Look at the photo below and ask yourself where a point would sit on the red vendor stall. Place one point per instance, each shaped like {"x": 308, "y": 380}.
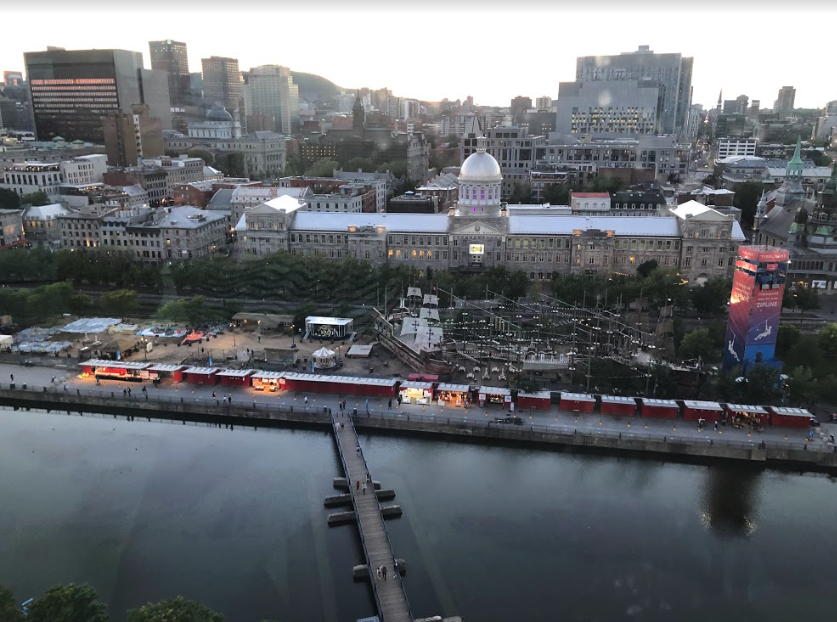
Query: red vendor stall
{"x": 235, "y": 377}
{"x": 577, "y": 402}
{"x": 790, "y": 417}
{"x": 540, "y": 399}
{"x": 415, "y": 392}
{"x": 693, "y": 410}
{"x": 315, "y": 383}
{"x": 741, "y": 415}
{"x": 660, "y": 409}
{"x": 116, "y": 370}
{"x": 267, "y": 380}
{"x": 202, "y": 375}
{"x": 617, "y": 405}
{"x": 162, "y": 371}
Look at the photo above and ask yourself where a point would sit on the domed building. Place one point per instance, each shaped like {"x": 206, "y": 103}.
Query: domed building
{"x": 480, "y": 182}
{"x": 218, "y": 125}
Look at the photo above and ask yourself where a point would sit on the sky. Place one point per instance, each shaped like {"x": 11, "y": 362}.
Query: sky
{"x": 435, "y": 49}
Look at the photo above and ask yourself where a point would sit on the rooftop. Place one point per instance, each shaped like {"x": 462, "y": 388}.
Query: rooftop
{"x": 568, "y": 225}
{"x": 325, "y": 221}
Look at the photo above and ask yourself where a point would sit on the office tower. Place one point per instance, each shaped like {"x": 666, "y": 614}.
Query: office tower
{"x": 270, "y": 92}
{"x": 130, "y": 136}
{"x": 170, "y": 56}
{"x": 13, "y": 78}
{"x": 609, "y": 107}
{"x": 784, "y": 103}
{"x": 221, "y": 81}
{"x": 154, "y": 92}
{"x": 671, "y": 73}
{"x": 73, "y": 89}
{"x": 519, "y": 106}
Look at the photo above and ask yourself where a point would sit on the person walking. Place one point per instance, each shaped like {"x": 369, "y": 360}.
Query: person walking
{"x": 306, "y": 399}
{"x": 124, "y": 392}
{"x": 364, "y": 487}
{"x": 389, "y": 404}
{"x": 65, "y": 389}
{"x": 12, "y": 376}
{"x": 384, "y": 572}
{"x": 213, "y": 394}
{"x": 129, "y": 390}
{"x": 378, "y": 573}
{"x": 357, "y": 485}
{"x": 358, "y": 450}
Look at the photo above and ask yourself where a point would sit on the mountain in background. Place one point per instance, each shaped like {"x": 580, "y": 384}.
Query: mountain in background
{"x": 314, "y": 88}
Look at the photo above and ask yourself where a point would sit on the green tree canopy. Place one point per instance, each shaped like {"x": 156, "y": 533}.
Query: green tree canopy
{"x": 120, "y": 302}
{"x": 174, "y": 610}
{"x": 646, "y": 268}
{"x": 787, "y": 338}
{"x": 698, "y": 343}
{"x": 807, "y": 298}
{"x": 68, "y": 603}
{"x": 35, "y": 198}
{"x": 606, "y": 183}
{"x": 192, "y": 311}
{"x": 802, "y": 387}
{"x": 760, "y": 387}
{"x": 203, "y": 154}
{"x": 521, "y": 193}
{"x": 827, "y": 339}
{"x": 747, "y": 195}
{"x": 323, "y": 168}
{"x": 9, "y": 609}
{"x": 557, "y": 194}
{"x": 359, "y": 164}
{"x": 9, "y": 199}
{"x": 231, "y": 164}
{"x": 712, "y": 296}
{"x": 819, "y": 158}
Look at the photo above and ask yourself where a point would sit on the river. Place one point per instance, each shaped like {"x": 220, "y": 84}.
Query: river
{"x": 234, "y": 519}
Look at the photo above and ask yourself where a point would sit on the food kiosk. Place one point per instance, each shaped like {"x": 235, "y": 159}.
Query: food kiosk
{"x": 577, "y": 402}
{"x": 202, "y": 375}
{"x": 452, "y": 394}
{"x": 617, "y": 405}
{"x": 162, "y": 371}
{"x": 235, "y": 377}
{"x": 539, "y": 399}
{"x": 790, "y": 417}
{"x": 739, "y": 415}
{"x": 494, "y": 395}
{"x": 267, "y": 380}
{"x": 318, "y": 327}
{"x": 694, "y": 410}
{"x": 414, "y": 392}
{"x": 116, "y": 370}
{"x": 658, "y": 409}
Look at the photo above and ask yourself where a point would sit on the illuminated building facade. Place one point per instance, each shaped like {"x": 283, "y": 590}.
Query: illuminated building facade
{"x": 755, "y": 306}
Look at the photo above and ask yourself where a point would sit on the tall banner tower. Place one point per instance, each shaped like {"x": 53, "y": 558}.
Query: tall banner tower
{"x": 755, "y": 306}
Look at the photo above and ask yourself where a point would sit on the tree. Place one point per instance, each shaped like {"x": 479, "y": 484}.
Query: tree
{"x": 712, "y": 296}
{"x": 9, "y": 199}
{"x": 120, "y": 302}
{"x": 698, "y": 343}
{"x": 761, "y": 384}
{"x": 323, "y": 168}
{"x": 827, "y": 339}
{"x": 203, "y": 154}
{"x": 9, "y": 609}
{"x": 663, "y": 384}
{"x": 359, "y": 164}
{"x": 747, "y": 195}
{"x": 68, "y": 603}
{"x": 786, "y": 338}
{"x": 827, "y": 389}
{"x": 802, "y": 387}
{"x": 231, "y": 164}
{"x": 788, "y": 299}
{"x": 79, "y": 304}
{"x": 521, "y": 193}
{"x": 819, "y": 158}
{"x": 646, "y": 268}
{"x": 174, "y": 610}
{"x": 35, "y": 198}
{"x": 557, "y": 194}
{"x": 606, "y": 183}
{"x": 807, "y": 298}
{"x": 727, "y": 386}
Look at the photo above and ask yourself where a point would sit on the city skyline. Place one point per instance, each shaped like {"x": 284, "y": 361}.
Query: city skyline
{"x": 434, "y": 62}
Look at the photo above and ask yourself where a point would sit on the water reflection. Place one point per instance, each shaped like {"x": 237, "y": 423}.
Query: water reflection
{"x": 730, "y": 500}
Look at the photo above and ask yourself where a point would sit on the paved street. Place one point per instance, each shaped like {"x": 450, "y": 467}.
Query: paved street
{"x": 554, "y": 418}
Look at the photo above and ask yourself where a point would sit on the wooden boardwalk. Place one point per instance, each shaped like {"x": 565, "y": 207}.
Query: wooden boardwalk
{"x": 389, "y": 594}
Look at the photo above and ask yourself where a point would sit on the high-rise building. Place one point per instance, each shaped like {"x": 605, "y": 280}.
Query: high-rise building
{"x": 13, "y": 78}
{"x": 129, "y": 137}
{"x": 737, "y": 105}
{"x": 784, "y": 102}
{"x": 753, "y": 112}
{"x": 608, "y": 107}
{"x": 221, "y": 81}
{"x": 672, "y": 74}
{"x": 543, "y": 103}
{"x": 519, "y": 106}
{"x": 73, "y": 89}
{"x": 269, "y": 90}
{"x": 154, "y": 92}
{"x": 170, "y": 56}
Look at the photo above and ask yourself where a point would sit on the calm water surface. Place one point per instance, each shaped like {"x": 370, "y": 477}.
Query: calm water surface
{"x": 234, "y": 519}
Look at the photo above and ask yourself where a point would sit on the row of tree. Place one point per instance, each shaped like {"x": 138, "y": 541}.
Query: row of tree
{"x": 33, "y": 305}
{"x": 80, "y": 603}
{"x": 9, "y": 199}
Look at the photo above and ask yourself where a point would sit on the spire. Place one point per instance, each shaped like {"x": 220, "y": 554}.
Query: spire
{"x": 720, "y": 98}
{"x": 797, "y": 153}
{"x": 795, "y": 164}
{"x": 358, "y": 115}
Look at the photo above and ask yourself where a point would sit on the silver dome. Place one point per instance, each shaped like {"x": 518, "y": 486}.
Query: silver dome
{"x": 480, "y": 166}
{"x": 218, "y": 113}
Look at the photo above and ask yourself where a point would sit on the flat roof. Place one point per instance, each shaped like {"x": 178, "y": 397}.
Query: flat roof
{"x": 660, "y": 226}
{"x": 330, "y": 321}
{"x": 235, "y": 373}
{"x": 541, "y": 395}
{"x": 460, "y": 388}
{"x": 746, "y": 408}
{"x": 114, "y": 364}
{"x": 655, "y": 402}
{"x": 394, "y": 223}
{"x": 203, "y": 370}
{"x": 412, "y": 384}
{"x": 577, "y": 397}
{"x": 616, "y": 399}
{"x": 268, "y": 375}
{"x": 701, "y": 405}
{"x": 381, "y": 382}
{"x": 164, "y": 367}
{"x": 495, "y": 391}
{"x": 791, "y": 412}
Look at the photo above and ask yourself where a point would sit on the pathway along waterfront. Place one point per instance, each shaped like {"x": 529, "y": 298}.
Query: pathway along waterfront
{"x": 584, "y": 433}
{"x": 390, "y": 596}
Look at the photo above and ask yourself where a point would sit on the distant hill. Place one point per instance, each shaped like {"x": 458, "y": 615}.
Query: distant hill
{"x": 314, "y": 88}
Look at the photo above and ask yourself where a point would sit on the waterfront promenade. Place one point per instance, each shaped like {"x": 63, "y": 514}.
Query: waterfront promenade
{"x": 549, "y": 426}
{"x": 390, "y": 596}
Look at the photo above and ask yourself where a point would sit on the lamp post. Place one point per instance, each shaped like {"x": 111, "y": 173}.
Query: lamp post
{"x": 293, "y": 334}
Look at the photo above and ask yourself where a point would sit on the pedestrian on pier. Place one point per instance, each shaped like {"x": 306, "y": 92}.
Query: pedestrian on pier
{"x": 213, "y": 395}
{"x": 384, "y": 572}
{"x": 124, "y": 392}
{"x": 129, "y": 390}
{"x": 716, "y": 426}
{"x": 368, "y": 477}
{"x": 357, "y": 485}
{"x": 306, "y": 399}
{"x": 389, "y": 404}
{"x": 358, "y": 450}
{"x": 364, "y": 487}
{"x": 144, "y": 390}
{"x": 12, "y": 376}
{"x": 378, "y": 572}
{"x": 53, "y": 379}
{"x": 65, "y": 388}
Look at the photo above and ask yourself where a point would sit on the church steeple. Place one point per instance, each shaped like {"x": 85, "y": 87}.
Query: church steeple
{"x": 720, "y": 99}
{"x": 795, "y": 164}
{"x": 358, "y": 116}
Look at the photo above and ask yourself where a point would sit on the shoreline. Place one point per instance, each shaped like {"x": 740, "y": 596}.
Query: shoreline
{"x": 581, "y": 438}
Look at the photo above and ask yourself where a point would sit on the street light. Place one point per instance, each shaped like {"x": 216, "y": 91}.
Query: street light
{"x": 293, "y": 334}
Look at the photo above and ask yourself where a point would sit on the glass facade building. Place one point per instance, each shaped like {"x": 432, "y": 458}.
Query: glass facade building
{"x": 171, "y": 57}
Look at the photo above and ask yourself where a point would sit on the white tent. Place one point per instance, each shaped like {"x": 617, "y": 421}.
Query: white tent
{"x": 6, "y": 342}
{"x": 324, "y": 358}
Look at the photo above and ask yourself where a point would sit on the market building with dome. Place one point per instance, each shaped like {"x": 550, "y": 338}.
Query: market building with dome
{"x": 480, "y": 232}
